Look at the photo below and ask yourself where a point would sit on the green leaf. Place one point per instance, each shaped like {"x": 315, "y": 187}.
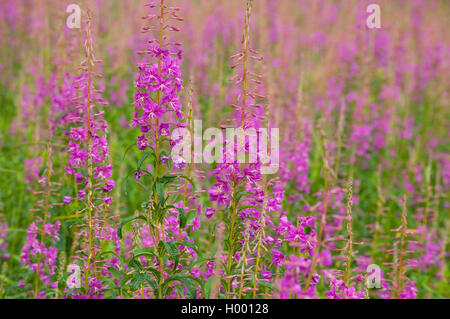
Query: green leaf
{"x": 127, "y": 220}
{"x": 191, "y": 290}
{"x": 136, "y": 264}
{"x": 160, "y": 191}
{"x": 224, "y": 284}
{"x": 188, "y": 179}
{"x": 207, "y": 287}
{"x": 144, "y": 251}
{"x": 175, "y": 277}
{"x": 265, "y": 284}
{"x": 153, "y": 284}
{"x": 138, "y": 279}
{"x": 226, "y": 243}
{"x": 143, "y": 158}
{"x": 161, "y": 248}
{"x": 158, "y": 213}
{"x": 155, "y": 273}
{"x": 117, "y": 274}
{"x": 182, "y": 216}
{"x": 109, "y": 252}
{"x": 126, "y": 151}
{"x": 240, "y": 194}
{"x": 172, "y": 249}
{"x": 168, "y": 179}
{"x": 185, "y": 279}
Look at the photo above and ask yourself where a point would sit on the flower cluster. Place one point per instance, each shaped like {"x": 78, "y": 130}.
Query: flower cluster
{"x": 38, "y": 254}
{"x": 338, "y": 290}
{"x": 88, "y": 144}
{"x": 158, "y": 85}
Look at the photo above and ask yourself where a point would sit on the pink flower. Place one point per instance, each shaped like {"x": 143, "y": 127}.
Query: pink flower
{"x": 209, "y": 212}
{"x": 178, "y": 162}
{"x": 67, "y": 199}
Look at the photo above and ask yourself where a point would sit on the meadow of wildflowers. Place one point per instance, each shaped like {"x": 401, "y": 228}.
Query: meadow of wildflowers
{"x": 96, "y": 203}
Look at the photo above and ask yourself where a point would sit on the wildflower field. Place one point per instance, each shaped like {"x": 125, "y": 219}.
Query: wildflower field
{"x": 114, "y": 182}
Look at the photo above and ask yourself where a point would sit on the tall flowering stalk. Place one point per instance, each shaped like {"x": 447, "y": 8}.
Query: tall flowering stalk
{"x": 243, "y": 79}
{"x": 400, "y": 264}
{"x": 261, "y": 231}
{"x": 326, "y": 172}
{"x": 190, "y": 125}
{"x": 402, "y": 287}
{"x": 88, "y": 162}
{"x": 51, "y": 251}
{"x": 232, "y": 176}
{"x": 349, "y": 246}
{"x": 157, "y": 87}
{"x": 240, "y": 186}
{"x": 39, "y": 251}
{"x": 52, "y": 101}
{"x": 377, "y": 229}
{"x": 158, "y": 111}
{"x": 260, "y": 245}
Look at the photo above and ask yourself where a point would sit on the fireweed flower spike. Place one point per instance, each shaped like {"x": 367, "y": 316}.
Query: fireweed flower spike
{"x": 349, "y": 246}
{"x": 158, "y": 110}
{"x": 52, "y": 99}
{"x": 88, "y": 164}
{"x": 239, "y": 185}
{"x": 230, "y": 175}
{"x": 157, "y": 85}
{"x": 400, "y": 262}
{"x": 326, "y": 171}
{"x": 38, "y": 252}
